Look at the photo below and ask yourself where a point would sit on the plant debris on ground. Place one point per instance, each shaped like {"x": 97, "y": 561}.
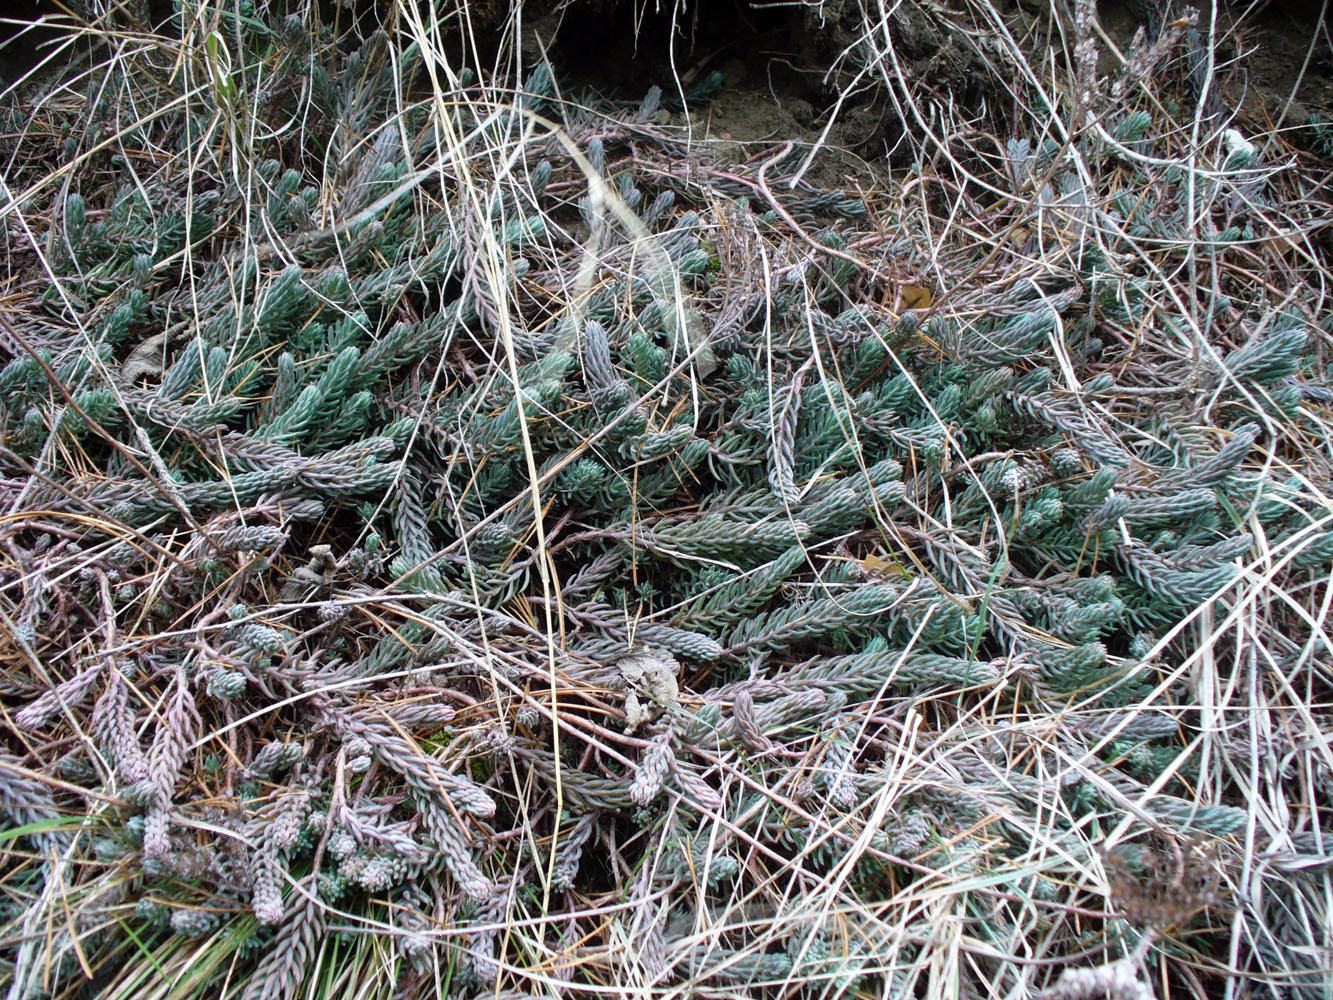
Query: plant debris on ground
{"x": 462, "y": 535}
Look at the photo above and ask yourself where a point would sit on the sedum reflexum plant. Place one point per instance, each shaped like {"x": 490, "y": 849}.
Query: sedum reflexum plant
{"x": 463, "y": 540}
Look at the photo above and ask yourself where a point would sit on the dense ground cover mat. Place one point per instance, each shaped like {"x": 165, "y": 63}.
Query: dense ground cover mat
{"x": 464, "y": 534}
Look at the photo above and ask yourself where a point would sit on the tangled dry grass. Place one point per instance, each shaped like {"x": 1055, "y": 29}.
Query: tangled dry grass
{"x": 462, "y": 536}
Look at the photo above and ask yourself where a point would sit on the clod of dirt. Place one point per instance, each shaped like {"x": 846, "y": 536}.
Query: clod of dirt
{"x": 649, "y": 674}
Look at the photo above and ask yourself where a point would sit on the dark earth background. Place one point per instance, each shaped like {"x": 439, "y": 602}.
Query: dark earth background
{"x": 775, "y": 60}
